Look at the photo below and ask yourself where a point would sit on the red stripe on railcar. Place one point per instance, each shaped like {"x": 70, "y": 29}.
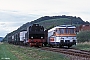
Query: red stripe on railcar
{"x": 51, "y": 39}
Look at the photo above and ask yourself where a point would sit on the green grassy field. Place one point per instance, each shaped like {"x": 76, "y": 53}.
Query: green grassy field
{"x": 5, "y": 54}
{"x": 83, "y": 46}
{"x": 13, "y": 52}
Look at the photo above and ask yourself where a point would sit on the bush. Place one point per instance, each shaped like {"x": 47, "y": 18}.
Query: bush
{"x": 83, "y": 36}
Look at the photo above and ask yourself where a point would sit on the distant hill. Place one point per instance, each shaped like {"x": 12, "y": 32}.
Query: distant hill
{"x": 51, "y": 21}
{"x": 48, "y": 21}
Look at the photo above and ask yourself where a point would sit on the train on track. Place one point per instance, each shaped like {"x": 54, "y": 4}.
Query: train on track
{"x": 36, "y": 35}
{"x": 63, "y": 35}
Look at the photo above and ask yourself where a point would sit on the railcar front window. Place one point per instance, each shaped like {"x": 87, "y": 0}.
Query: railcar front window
{"x": 62, "y": 31}
{"x": 71, "y": 31}
{"x": 58, "y": 31}
{"x": 66, "y": 31}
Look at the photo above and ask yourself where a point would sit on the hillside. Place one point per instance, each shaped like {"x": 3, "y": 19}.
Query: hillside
{"x": 48, "y": 21}
{"x": 51, "y": 21}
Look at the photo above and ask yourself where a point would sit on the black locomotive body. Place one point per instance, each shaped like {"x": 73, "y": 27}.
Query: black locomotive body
{"x": 36, "y": 35}
{"x": 33, "y": 36}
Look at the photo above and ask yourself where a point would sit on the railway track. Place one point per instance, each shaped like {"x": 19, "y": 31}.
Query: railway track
{"x": 73, "y": 52}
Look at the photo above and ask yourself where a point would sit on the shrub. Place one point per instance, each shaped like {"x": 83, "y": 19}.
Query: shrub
{"x": 83, "y": 36}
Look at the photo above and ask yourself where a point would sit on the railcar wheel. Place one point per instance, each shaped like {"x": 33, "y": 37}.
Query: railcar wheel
{"x": 51, "y": 45}
{"x": 69, "y": 46}
{"x": 60, "y": 46}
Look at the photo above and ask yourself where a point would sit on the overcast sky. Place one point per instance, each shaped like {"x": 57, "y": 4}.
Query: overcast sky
{"x": 14, "y": 13}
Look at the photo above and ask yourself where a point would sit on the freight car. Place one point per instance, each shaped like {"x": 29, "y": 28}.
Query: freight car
{"x": 36, "y": 35}
{"x": 63, "y": 35}
{"x": 22, "y": 37}
{"x": 17, "y": 38}
{"x": 9, "y": 39}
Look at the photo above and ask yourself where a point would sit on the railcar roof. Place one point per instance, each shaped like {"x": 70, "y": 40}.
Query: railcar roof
{"x": 62, "y": 26}
{"x": 66, "y": 26}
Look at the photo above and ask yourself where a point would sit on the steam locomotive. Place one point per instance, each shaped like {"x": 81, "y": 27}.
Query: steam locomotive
{"x": 33, "y": 36}
{"x": 36, "y": 35}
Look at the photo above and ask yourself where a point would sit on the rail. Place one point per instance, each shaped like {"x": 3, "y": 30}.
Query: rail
{"x": 74, "y": 52}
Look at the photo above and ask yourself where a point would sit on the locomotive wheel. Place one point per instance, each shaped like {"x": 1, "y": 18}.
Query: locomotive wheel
{"x": 45, "y": 44}
{"x": 30, "y": 44}
{"x": 37, "y": 44}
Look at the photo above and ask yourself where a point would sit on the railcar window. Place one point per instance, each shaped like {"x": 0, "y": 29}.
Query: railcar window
{"x": 71, "y": 31}
{"x": 62, "y": 31}
{"x": 58, "y": 31}
{"x": 66, "y": 30}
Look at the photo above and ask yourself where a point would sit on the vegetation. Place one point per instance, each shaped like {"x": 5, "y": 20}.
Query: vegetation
{"x": 5, "y": 54}
{"x": 75, "y": 19}
{"x": 25, "y": 53}
{"x": 54, "y": 22}
{"x": 83, "y": 46}
{"x": 83, "y": 36}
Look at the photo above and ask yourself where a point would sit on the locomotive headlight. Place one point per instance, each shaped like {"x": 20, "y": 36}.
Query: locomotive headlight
{"x": 72, "y": 38}
{"x": 41, "y": 37}
{"x": 62, "y": 38}
{"x": 32, "y": 37}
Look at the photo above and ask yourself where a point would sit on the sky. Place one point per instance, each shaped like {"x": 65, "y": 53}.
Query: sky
{"x": 15, "y": 13}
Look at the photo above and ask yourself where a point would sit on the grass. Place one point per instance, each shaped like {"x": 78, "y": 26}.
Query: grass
{"x": 5, "y": 54}
{"x": 27, "y": 53}
{"x": 83, "y": 46}
{"x": 14, "y": 52}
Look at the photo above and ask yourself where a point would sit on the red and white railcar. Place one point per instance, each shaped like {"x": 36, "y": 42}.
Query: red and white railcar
{"x": 63, "y": 35}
